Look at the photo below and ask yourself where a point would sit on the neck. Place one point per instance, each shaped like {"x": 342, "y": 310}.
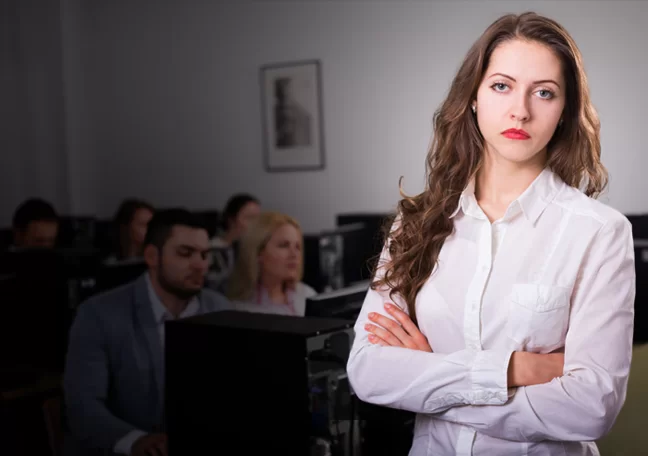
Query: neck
{"x": 174, "y": 304}
{"x": 499, "y": 182}
{"x": 274, "y": 288}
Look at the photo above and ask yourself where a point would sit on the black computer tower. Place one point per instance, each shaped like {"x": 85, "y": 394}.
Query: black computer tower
{"x": 641, "y": 296}
{"x": 243, "y": 381}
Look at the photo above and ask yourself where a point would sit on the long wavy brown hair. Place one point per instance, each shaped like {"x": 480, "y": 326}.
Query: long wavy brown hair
{"x": 423, "y": 221}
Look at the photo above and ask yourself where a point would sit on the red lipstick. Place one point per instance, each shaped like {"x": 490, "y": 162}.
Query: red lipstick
{"x": 514, "y": 133}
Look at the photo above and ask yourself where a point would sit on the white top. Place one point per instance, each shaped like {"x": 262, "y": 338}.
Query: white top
{"x": 263, "y": 304}
{"x": 555, "y": 273}
{"x": 160, "y": 315}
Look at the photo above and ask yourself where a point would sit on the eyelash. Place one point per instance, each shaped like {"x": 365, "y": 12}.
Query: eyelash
{"x": 550, "y": 92}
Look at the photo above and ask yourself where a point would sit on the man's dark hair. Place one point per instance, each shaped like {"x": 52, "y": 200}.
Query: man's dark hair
{"x": 162, "y": 223}
{"x": 33, "y": 210}
{"x": 234, "y": 205}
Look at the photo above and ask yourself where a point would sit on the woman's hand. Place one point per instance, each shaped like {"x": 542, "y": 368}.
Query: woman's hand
{"x": 526, "y": 369}
{"x": 397, "y": 332}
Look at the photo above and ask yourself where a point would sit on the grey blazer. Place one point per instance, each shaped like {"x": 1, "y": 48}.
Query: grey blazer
{"x": 114, "y": 372}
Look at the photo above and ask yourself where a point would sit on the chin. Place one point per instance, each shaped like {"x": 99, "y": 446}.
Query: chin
{"x": 516, "y": 154}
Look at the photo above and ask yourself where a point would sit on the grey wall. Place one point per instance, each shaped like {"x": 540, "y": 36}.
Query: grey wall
{"x": 33, "y": 159}
{"x": 163, "y": 98}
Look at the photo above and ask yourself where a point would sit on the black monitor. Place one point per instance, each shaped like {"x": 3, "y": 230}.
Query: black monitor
{"x": 370, "y": 246}
{"x": 641, "y": 295}
{"x": 113, "y": 276}
{"x": 344, "y": 303}
{"x": 334, "y": 259}
{"x": 6, "y": 238}
{"x": 210, "y": 220}
{"x": 76, "y": 231}
{"x": 105, "y": 237}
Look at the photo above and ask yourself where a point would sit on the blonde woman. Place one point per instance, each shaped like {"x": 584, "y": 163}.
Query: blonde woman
{"x": 268, "y": 272}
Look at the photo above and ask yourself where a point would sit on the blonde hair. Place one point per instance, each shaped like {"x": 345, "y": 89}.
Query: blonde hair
{"x": 246, "y": 275}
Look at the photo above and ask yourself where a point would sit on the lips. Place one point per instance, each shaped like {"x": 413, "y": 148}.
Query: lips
{"x": 514, "y": 133}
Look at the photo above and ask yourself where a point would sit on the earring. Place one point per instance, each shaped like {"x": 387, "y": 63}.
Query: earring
{"x": 474, "y": 109}
{"x": 560, "y": 122}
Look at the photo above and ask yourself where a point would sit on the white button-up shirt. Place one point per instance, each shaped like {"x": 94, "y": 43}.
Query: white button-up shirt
{"x": 162, "y": 314}
{"x": 555, "y": 273}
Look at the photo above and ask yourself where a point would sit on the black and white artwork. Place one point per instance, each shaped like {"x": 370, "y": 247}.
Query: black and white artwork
{"x": 292, "y": 116}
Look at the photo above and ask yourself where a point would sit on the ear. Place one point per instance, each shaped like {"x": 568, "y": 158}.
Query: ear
{"x": 151, "y": 256}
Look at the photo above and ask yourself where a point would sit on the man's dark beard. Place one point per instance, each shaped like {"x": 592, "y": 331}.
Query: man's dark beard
{"x": 179, "y": 292}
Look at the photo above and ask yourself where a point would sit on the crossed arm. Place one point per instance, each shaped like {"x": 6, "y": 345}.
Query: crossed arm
{"x": 575, "y": 398}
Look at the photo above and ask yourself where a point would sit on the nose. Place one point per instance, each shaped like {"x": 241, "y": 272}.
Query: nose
{"x": 520, "y": 110}
{"x": 200, "y": 263}
{"x": 294, "y": 251}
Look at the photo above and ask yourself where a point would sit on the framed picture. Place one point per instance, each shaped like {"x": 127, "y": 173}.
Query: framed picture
{"x": 291, "y": 101}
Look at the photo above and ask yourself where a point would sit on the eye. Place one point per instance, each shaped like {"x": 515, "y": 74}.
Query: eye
{"x": 499, "y": 87}
{"x": 545, "y": 94}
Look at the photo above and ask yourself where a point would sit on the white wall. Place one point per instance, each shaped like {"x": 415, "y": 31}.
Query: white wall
{"x": 169, "y": 91}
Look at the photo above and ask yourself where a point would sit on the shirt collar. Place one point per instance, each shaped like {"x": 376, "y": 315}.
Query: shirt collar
{"x": 532, "y": 202}
{"x": 160, "y": 312}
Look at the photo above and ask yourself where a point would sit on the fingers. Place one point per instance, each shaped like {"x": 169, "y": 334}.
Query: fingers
{"x": 377, "y": 340}
{"x": 392, "y": 327}
{"x": 384, "y": 334}
{"x": 420, "y": 341}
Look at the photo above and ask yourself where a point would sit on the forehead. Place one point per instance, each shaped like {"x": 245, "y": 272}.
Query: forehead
{"x": 143, "y": 213}
{"x": 42, "y": 225}
{"x": 250, "y": 207}
{"x": 286, "y": 231}
{"x": 526, "y": 61}
{"x": 185, "y": 235}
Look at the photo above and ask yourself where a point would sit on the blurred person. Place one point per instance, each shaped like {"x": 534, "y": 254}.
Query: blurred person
{"x": 130, "y": 222}
{"x": 114, "y": 375}
{"x": 35, "y": 224}
{"x": 240, "y": 211}
{"x": 268, "y": 272}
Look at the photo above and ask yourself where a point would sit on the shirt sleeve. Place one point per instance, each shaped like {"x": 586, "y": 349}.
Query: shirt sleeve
{"x": 418, "y": 381}
{"x": 583, "y": 404}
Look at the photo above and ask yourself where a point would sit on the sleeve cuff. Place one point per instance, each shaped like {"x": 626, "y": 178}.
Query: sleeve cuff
{"x": 489, "y": 377}
{"x": 125, "y": 444}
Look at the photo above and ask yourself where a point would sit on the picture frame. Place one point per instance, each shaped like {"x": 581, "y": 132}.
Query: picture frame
{"x": 292, "y": 116}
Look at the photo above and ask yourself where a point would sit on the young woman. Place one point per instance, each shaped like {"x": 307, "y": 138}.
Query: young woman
{"x": 131, "y": 222}
{"x": 240, "y": 212}
{"x": 502, "y": 307}
{"x": 268, "y": 272}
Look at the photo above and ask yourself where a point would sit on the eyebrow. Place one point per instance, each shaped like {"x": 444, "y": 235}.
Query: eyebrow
{"x": 192, "y": 249}
{"x": 543, "y": 81}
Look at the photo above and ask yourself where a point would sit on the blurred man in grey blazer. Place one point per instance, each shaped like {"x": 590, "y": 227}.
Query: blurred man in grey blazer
{"x": 114, "y": 375}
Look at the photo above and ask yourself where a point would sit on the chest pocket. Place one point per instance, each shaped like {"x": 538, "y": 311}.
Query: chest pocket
{"x": 538, "y": 316}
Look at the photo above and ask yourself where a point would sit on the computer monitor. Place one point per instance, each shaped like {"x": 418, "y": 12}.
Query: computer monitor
{"x": 641, "y": 295}
{"x": 371, "y": 244}
{"x": 76, "y": 231}
{"x": 334, "y": 259}
{"x": 210, "y": 219}
{"x": 344, "y": 303}
{"x": 109, "y": 277}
